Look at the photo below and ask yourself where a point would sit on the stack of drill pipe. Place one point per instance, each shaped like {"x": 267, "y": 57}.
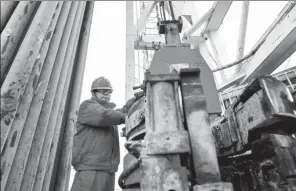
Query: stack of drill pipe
{"x": 60, "y": 104}
{"x": 14, "y": 31}
{"x": 34, "y": 94}
{"x": 65, "y": 154}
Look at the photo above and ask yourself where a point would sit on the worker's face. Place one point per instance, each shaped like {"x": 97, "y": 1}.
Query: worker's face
{"x": 103, "y": 95}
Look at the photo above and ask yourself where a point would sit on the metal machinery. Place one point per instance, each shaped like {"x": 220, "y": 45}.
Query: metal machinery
{"x": 177, "y": 140}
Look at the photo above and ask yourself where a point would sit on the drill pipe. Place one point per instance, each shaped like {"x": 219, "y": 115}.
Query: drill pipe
{"x": 36, "y": 134}
{"x": 25, "y": 135}
{"x": 44, "y": 130}
{"x": 7, "y": 8}
{"x": 57, "y": 117}
{"x": 17, "y": 78}
{"x": 65, "y": 156}
{"x": 10, "y": 172}
{"x": 12, "y": 34}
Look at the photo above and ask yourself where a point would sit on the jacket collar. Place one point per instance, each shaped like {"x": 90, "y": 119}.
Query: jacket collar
{"x": 109, "y": 105}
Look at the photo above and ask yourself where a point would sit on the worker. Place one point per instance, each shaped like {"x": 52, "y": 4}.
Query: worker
{"x": 95, "y": 153}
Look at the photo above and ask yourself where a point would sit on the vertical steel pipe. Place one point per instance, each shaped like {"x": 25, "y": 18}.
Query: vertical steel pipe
{"x": 62, "y": 179}
{"x": 14, "y": 31}
{"x": 41, "y": 66}
{"x": 68, "y": 175}
{"x": 60, "y": 105}
{"x": 242, "y": 32}
{"x": 17, "y": 78}
{"x": 130, "y": 52}
{"x": 36, "y": 137}
{"x": 19, "y": 137}
{"x": 7, "y": 8}
{"x": 42, "y": 112}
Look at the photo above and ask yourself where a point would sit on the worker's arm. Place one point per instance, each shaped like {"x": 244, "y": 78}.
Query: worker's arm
{"x": 95, "y": 115}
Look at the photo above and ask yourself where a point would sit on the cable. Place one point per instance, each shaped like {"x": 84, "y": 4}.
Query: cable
{"x": 238, "y": 61}
{"x": 172, "y": 10}
{"x": 161, "y": 4}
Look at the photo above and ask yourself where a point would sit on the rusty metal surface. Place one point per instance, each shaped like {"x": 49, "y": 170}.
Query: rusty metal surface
{"x": 172, "y": 33}
{"x": 264, "y": 103}
{"x": 163, "y": 172}
{"x": 163, "y": 78}
{"x": 279, "y": 96}
{"x": 7, "y": 8}
{"x": 227, "y": 138}
{"x": 172, "y": 142}
{"x": 197, "y": 120}
{"x": 24, "y": 72}
{"x": 270, "y": 165}
{"x": 265, "y": 106}
{"x": 219, "y": 186}
{"x": 136, "y": 176}
{"x": 168, "y": 56}
{"x": 14, "y": 31}
{"x": 17, "y": 78}
{"x": 65, "y": 153}
{"x": 60, "y": 104}
{"x": 31, "y": 85}
{"x": 134, "y": 120}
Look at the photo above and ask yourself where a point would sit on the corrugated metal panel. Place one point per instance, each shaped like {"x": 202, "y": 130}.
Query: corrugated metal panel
{"x": 43, "y": 49}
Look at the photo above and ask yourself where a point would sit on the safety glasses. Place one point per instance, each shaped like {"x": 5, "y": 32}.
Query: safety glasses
{"x": 104, "y": 91}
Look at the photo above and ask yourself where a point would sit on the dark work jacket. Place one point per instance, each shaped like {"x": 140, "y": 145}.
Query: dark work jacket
{"x": 96, "y": 142}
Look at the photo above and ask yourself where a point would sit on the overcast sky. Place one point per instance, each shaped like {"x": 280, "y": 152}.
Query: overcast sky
{"x": 106, "y": 51}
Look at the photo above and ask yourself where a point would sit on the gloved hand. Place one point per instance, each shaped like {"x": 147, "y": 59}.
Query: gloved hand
{"x": 138, "y": 95}
{"x": 129, "y": 103}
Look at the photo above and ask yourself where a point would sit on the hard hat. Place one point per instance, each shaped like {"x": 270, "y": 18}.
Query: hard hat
{"x": 101, "y": 83}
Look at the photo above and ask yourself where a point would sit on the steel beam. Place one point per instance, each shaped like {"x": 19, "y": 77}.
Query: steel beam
{"x": 142, "y": 45}
{"x": 220, "y": 10}
{"x": 220, "y": 54}
{"x": 242, "y": 29}
{"x": 188, "y": 9}
{"x": 140, "y": 25}
{"x": 194, "y": 40}
{"x": 178, "y": 7}
{"x": 130, "y": 52}
{"x": 276, "y": 48}
{"x": 198, "y": 24}
{"x": 230, "y": 82}
{"x": 154, "y": 38}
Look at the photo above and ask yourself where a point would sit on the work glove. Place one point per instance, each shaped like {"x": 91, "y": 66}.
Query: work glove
{"x": 138, "y": 95}
{"x": 129, "y": 103}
